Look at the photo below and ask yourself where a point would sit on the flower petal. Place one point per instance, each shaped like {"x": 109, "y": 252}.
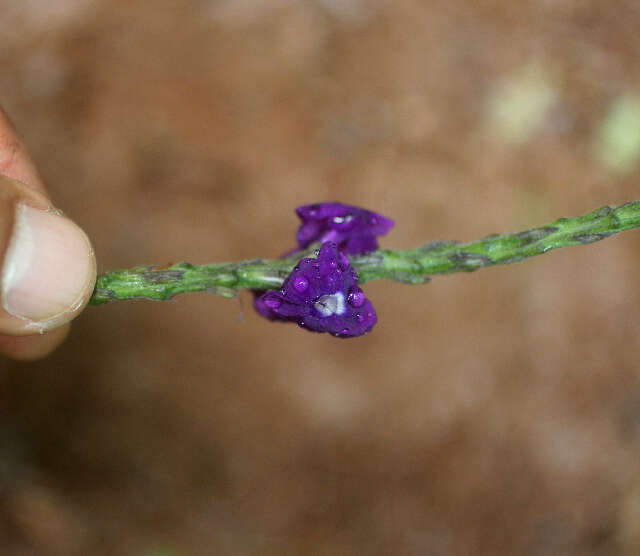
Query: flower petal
{"x": 353, "y": 229}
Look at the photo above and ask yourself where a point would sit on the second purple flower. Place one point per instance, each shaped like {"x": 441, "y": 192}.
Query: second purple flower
{"x": 353, "y": 229}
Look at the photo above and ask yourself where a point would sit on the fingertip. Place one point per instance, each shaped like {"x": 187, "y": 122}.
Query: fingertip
{"x": 48, "y": 271}
{"x": 34, "y": 347}
{"x": 47, "y": 264}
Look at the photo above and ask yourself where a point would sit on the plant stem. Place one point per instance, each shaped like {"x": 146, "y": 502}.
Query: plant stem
{"x": 413, "y": 266}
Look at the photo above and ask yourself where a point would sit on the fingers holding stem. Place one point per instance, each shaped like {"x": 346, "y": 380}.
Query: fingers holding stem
{"x": 47, "y": 265}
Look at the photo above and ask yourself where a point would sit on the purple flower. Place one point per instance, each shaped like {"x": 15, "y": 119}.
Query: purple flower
{"x": 321, "y": 295}
{"x": 353, "y": 229}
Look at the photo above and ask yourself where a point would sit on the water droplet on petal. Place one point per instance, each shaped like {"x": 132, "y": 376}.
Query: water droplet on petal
{"x": 356, "y": 297}
{"x": 300, "y": 283}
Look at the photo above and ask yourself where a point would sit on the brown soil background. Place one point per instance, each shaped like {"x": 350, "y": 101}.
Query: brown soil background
{"x": 487, "y": 413}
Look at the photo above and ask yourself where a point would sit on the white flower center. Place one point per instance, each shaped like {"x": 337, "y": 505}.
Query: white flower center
{"x": 343, "y": 219}
{"x": 331, "y": 304}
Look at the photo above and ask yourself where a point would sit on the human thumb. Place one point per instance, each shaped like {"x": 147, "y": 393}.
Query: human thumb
{"x": 48, "y": 266}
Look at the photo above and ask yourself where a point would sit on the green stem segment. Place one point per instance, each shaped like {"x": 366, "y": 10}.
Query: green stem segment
{"x": 413, "y": 266}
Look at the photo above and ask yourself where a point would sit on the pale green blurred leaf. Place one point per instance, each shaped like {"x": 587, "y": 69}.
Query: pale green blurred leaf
{"x": 518, "y": 106}
{"x": 617, "y": 144}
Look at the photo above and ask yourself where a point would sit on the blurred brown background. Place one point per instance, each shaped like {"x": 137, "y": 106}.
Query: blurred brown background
{"x": 488, "y": 413}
